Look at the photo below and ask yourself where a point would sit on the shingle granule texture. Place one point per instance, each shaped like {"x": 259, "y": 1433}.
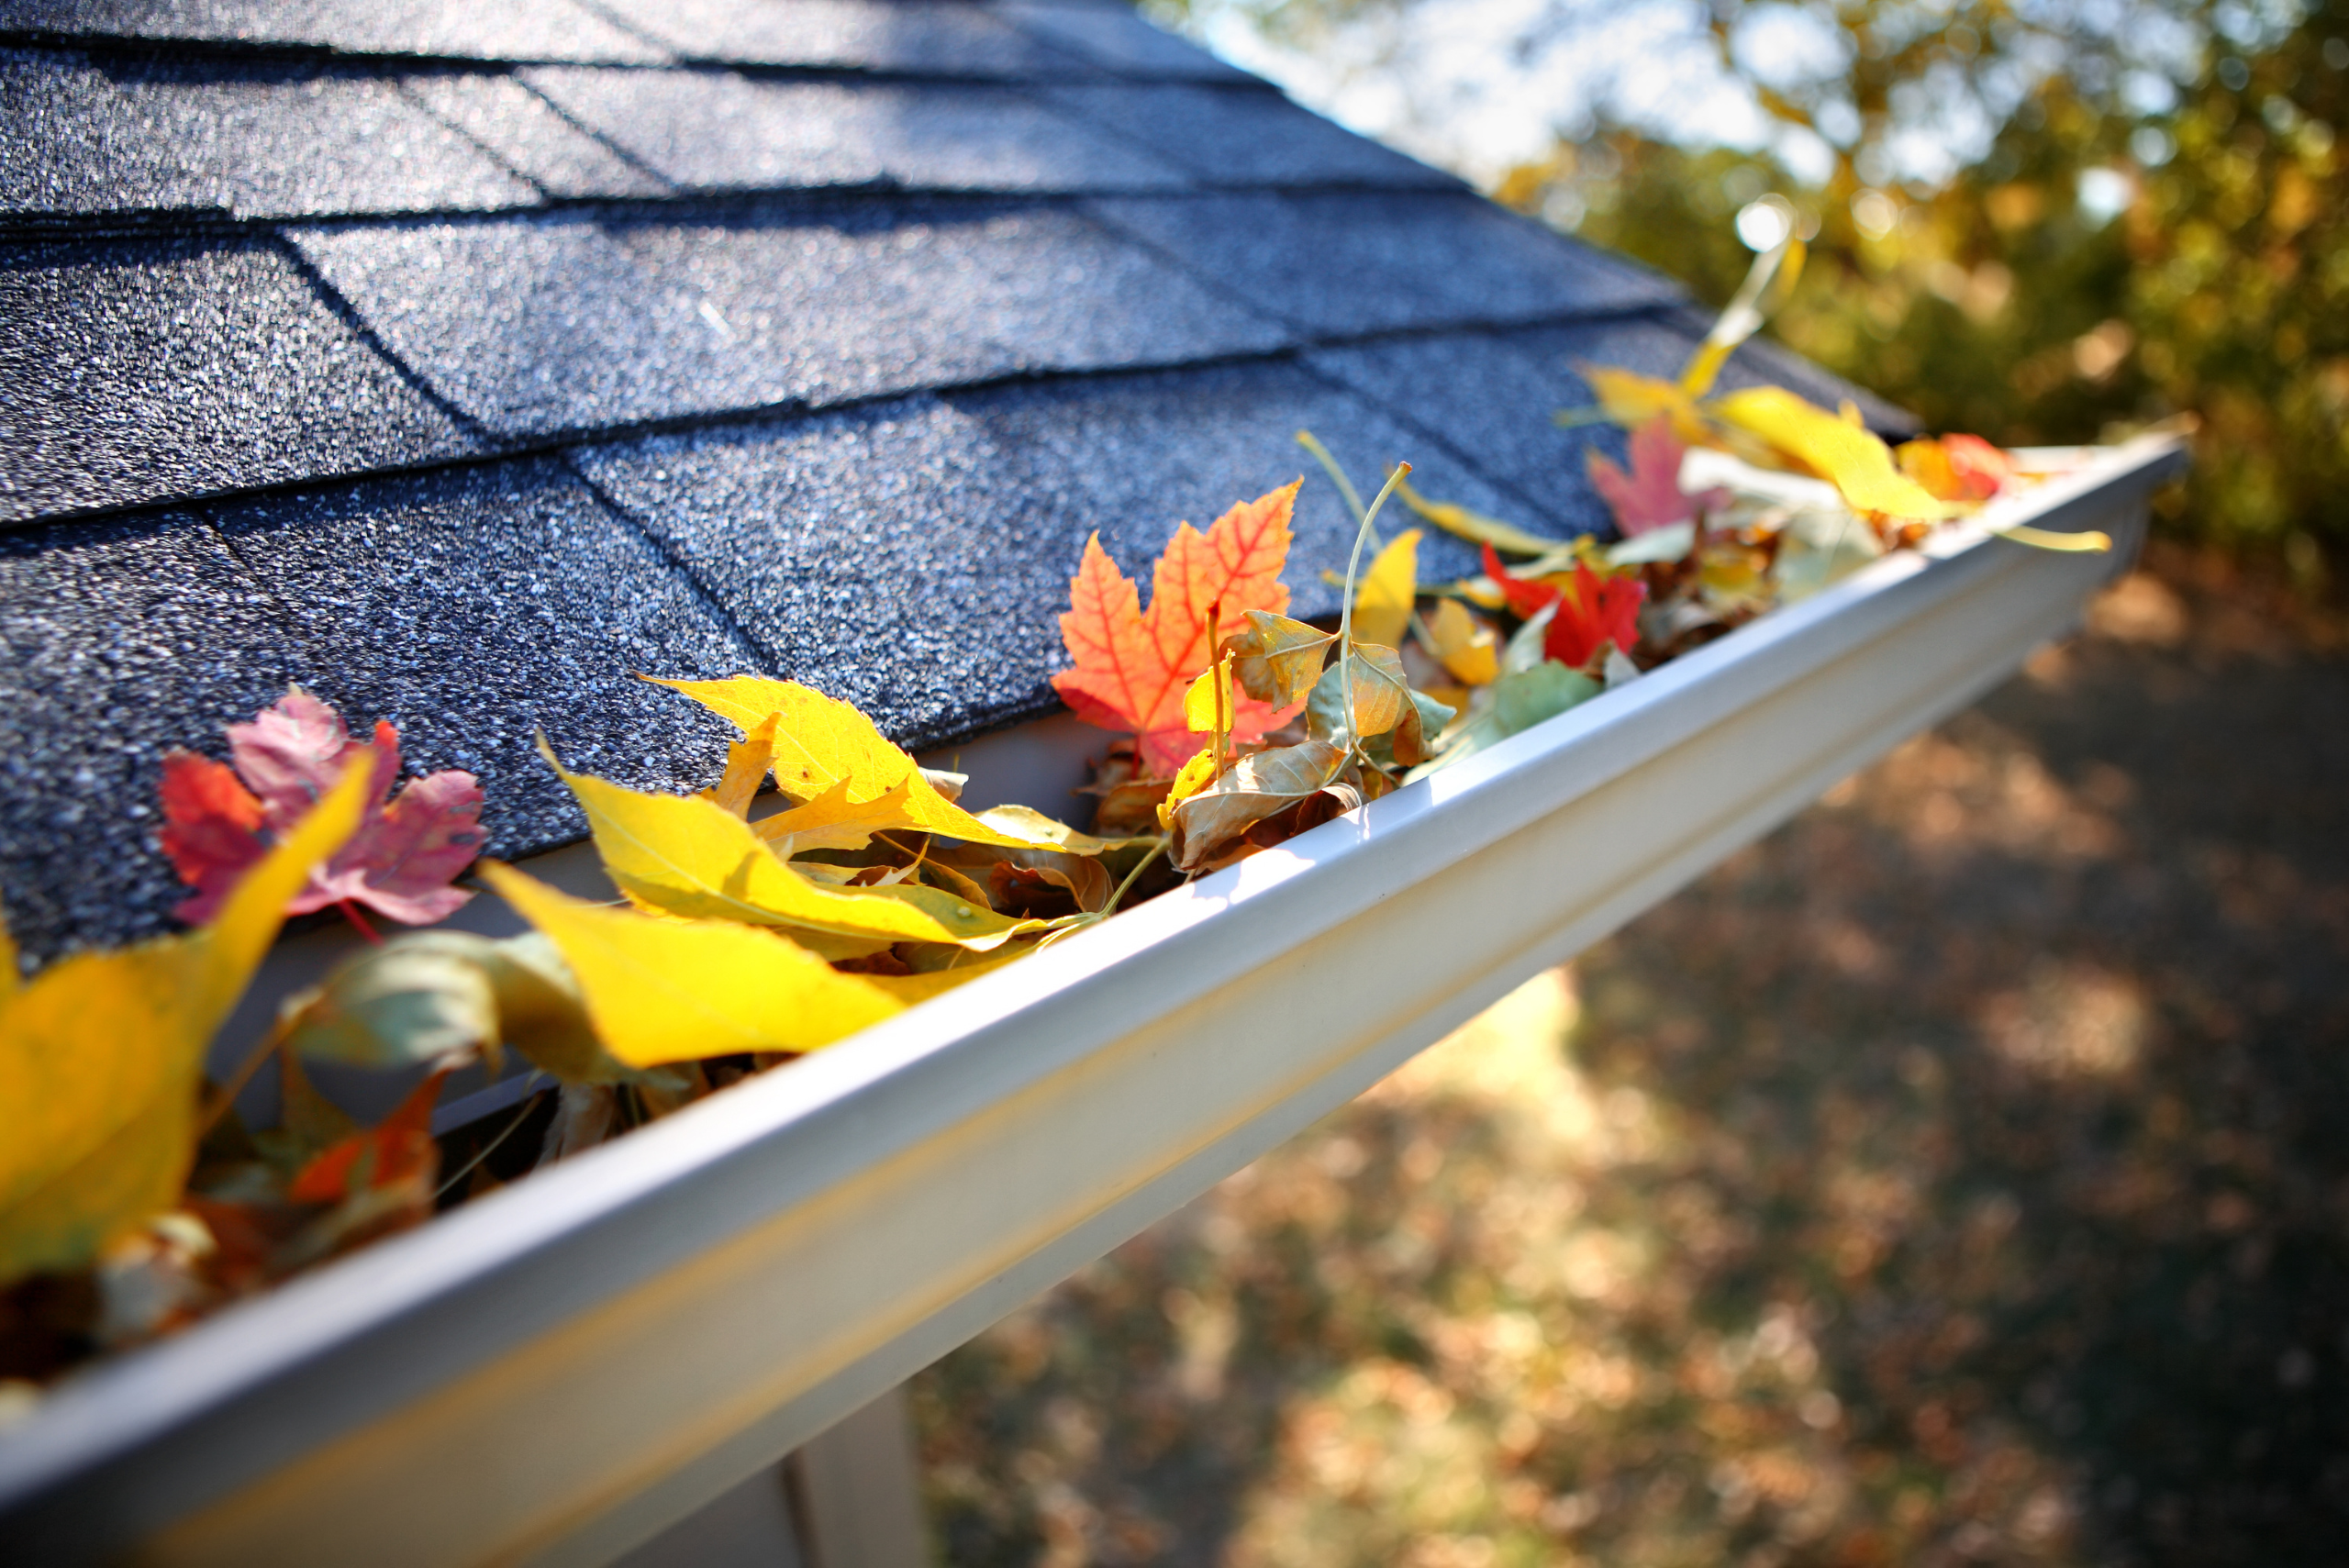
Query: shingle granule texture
{"x": 462, "y": 29}
{"x": 477, "y": 608}
{"x": 530, "y": 135}
{"x": 1344, "y": 262}
{"x": 913, "y": 557}
{"x": 930, "y": 38}
{"x": 122, "y": 640}
{"x": 715, "y": 130}
{"x": 1243, "y": 136}
{"x": 543, "y": 326}
{"x": 144, "y": 371}
{"x": 253, "y": 140}
{"x": 1114, "y": 37}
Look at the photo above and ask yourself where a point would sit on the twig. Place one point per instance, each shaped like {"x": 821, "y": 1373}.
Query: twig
{"x": 1346, "y": 611}
{"x": 226, "y": 1095}
{"x": 528, "y": 1105}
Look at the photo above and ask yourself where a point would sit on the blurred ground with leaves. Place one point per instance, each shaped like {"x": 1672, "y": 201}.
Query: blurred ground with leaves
{"x": 1955, "y": 1176}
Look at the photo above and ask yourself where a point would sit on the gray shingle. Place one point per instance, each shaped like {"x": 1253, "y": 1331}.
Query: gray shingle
{"x": 141, "y": 372}
{"x": 122, "y": 640}
{"x": 62, "y": 142}
{"x": 1341, "y": 262}
{"x": 1113, "y": 35}
{"x": 930, "y": 38}
{"x": 475, "y": 607}
{"x": 530, "y": 135}
{"x": 257, "y": 140}
{"x": 1491, "y": 397}
{"x": 461, "y": 29}
{"x": 549, "y": 324}
{"x": 912, "y": 557}
{"x": 715, "y": 130}
{"x": 1243, "y": 136}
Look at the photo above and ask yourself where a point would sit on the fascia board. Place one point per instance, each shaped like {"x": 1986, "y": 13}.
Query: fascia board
{"x": 562, "y": 1369}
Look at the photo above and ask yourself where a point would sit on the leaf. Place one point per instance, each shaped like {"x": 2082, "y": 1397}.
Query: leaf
{"x": 1633, "y": 400}
{"x": 1411, "y": 741}
{"x": 1649, "y": 497}
{"x": 1132, "y": 668}
{"x": 1767, "y": 284}
{"x": 309, "y": 1124}
{"x": 101, "y": 1056}
{"x": 1671, "y": 543}
{"x": 1589, "y": 612}
{"x": 747, "y": 763}
{"x": 1522, "y": 699}
{"x": 1384, "y": 598}
{"x": 1208, "y": 704}
{"x": 1382, "y": 697}
{"x": 1819, "y": 547}
{"x": 820, "y": 742}
{"x": 1474, "y": 527}
{"x": 436, "y": 994}
{"x": 1194, "y": 776}
{"x": 401, "y": 861}
{"x": 833, "y": 821}
{"x": 914, "y": 989}
{"x": 685, "y": 855}
{"x": 1025, "y": 821}
{"x": 397, "y": 1151}
{"x": 1460, "y": 643}
{"x": 1277, "y": 660}
{"x": 1850, "y": 458}
{"x": 1257, "y": 787}
{"x": 662, "y": 991}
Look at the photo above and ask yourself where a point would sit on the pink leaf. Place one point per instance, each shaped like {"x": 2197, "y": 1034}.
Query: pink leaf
{"x": 1649, "y": 497}
{"x": 401, "y": 861}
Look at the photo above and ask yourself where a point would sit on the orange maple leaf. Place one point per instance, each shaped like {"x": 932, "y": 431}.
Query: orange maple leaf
{"x": 1133, "y": 667}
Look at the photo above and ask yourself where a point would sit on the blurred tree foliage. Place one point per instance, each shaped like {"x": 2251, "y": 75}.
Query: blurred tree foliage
{"x": 2157, "y": 226}
{"x": 2100, "y": 269}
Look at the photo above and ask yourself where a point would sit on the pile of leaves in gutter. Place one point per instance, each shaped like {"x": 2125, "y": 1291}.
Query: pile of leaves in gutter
{"x": 133, "y": 1200}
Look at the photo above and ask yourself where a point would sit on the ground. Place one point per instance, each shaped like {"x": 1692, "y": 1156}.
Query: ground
{"x": 1960, "y": 1174}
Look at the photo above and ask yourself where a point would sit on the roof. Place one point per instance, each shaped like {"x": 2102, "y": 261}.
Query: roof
{"x": 458, "y": 361}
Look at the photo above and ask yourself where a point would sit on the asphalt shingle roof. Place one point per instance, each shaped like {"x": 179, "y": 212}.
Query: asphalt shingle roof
{"x": 460, "y": 360}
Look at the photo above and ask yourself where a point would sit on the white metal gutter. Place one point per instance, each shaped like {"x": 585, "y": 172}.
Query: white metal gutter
{"x": 555, "y": 1373}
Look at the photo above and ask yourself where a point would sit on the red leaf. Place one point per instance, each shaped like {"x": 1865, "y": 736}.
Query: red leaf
{"x": 399, "y": 862}
{"x": 397, "y": 1150}
{"x": 1527, "y": 598}
{"x": 1592, "y": 611}
{"x": 1131, "y": 667}
{"x": 1649, "y": 497}
{"x": 211, "y": 830}
{"x": 1595, "y": 611}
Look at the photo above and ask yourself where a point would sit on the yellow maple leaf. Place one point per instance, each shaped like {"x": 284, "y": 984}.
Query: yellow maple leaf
{"x": 833, "y": 821}
{"x": 820, "y": 741}
{"x": 747, "y": 763}
{"x": 1849, "y": 458}
{"x": 688, "y": 857}
{"x": 679, "y": 990}
{"x": 102, "y": 1054}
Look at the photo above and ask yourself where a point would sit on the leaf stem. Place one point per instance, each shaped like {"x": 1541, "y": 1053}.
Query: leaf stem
{"x": 1346, "y": 610}
{"x": 1134, "y": 875}
{"x": 351, "y": 912}
{"x": 226, "y": 1094}
{"x": 529, "y": 1103}
{"x": 1216, "y": 678}
{"x": 1312, "y": 443}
